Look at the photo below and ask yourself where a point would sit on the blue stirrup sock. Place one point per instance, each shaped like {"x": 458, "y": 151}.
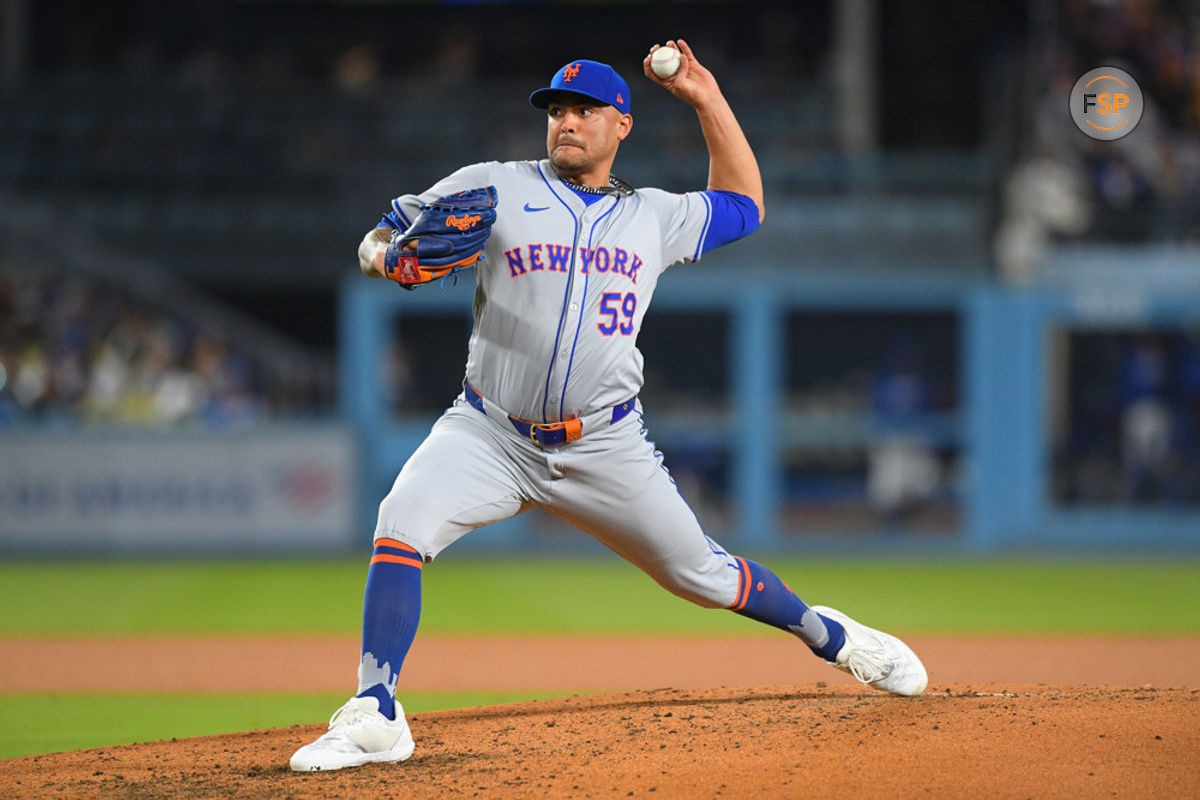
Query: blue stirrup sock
{"x": 764, "y": 597}
{"x": 391, "y": 610}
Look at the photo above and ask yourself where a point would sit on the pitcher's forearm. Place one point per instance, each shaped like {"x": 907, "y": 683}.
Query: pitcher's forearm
{"x": 732, "y": 166}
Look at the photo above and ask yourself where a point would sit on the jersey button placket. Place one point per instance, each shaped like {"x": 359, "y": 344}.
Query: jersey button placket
{"x": 571, "y": 326}
{"x": 567, "y": 335}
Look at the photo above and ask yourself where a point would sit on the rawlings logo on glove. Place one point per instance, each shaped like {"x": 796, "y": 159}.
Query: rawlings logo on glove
{"x": 463, "y": 223}
{"x": 448, "y": 235}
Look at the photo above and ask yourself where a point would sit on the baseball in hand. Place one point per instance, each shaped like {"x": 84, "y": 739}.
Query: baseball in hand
{"x": 665, "y": 62}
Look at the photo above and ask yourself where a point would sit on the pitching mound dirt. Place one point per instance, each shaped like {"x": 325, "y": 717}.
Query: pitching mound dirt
{"x": 795, "y": 742}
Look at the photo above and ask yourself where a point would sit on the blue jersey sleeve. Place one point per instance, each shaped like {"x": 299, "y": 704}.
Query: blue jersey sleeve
{"x": 734, "y": 216}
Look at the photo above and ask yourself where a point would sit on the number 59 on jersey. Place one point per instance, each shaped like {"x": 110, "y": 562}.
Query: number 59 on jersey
{"x": 616, "y": 313}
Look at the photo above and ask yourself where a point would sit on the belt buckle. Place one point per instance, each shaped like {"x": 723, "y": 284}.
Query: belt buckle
{"x": 573, "y": 428}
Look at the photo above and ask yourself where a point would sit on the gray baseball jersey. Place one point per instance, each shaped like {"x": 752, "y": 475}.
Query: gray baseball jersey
{"x": 559, "y": 301}
{"x": 564, "y": 286}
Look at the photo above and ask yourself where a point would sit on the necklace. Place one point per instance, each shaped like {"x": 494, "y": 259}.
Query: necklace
{"x": 615, "y": 186}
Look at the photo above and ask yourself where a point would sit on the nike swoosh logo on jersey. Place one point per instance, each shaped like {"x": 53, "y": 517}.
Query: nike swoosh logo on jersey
{"x": 531, "y": 208}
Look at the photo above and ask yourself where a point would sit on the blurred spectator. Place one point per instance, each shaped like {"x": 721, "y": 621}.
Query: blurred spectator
{"x": 1134, "y": 412}
{"x": 74, "y": 351}
{"x": 903, "y": 471}
{"x": 398, "y": 377}
{"x": 1146, "y": 418}
{"x": 1043, "y": 198}
{"x": 357, "y": 70}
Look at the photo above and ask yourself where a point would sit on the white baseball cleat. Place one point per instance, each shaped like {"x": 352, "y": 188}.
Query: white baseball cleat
{"x": 878, "y": 659}
{"x": 358, "y": 734}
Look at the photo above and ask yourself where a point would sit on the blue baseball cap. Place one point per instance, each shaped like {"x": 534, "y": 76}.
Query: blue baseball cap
{"x": 591, "y": 79}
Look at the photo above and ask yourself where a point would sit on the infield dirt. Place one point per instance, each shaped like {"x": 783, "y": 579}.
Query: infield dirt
{"x": 817, "y": 739}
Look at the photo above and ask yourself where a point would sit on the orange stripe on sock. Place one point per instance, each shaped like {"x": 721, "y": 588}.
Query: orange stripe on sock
{"x": 396, "y": 544}
{"x": 391, "y": 559}
{"x": 743, "y": 585}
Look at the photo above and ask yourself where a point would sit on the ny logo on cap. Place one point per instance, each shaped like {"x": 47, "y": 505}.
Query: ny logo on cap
{"x": 570, "y": 72}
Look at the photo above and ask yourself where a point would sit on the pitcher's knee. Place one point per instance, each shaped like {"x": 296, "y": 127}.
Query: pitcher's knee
{"x": 413, "y": 524}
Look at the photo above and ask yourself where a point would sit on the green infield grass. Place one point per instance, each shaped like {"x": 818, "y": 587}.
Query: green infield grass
{"x": 584, "y": 597}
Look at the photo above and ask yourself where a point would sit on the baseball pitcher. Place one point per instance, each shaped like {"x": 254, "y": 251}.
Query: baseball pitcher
{"x": 566, "y": 257}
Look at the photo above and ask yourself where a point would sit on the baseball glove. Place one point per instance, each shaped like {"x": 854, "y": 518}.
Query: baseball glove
{"x": 448, "y": 235}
